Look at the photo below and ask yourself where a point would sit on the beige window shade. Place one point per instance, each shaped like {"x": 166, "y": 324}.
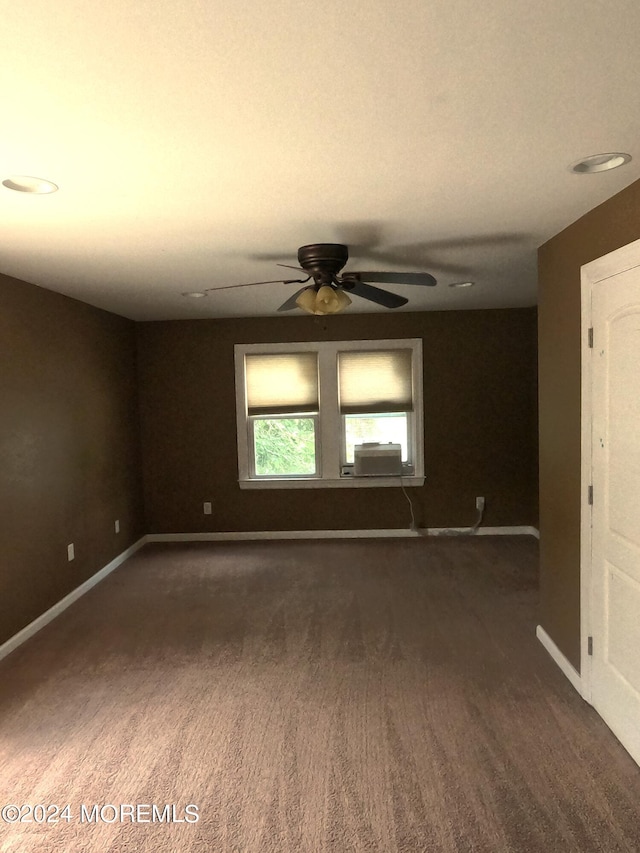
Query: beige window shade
{"x": 283, "y": 383}
{"x": 375, "y": 381}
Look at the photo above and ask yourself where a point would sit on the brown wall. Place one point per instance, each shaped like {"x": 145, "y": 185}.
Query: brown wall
{"x": 69, "y": 446}
{"x": 609, "y": 226}
{"x": 480, "y": 415}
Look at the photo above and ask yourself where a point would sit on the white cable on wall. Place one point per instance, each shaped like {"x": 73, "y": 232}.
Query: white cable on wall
{"x": 404, "y": 492}
{"x": 449, "y": 531}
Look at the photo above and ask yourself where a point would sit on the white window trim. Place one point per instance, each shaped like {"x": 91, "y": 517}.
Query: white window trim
{"x": 329, "y": 439}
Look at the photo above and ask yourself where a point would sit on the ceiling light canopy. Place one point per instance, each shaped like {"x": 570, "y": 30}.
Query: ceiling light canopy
{"x": 600, "y": 163}
{"x": 28, "y": 184}
{"x": 462, "y": 284}
{"x": 195, "y": 294}
{"x": 324, "y": 300}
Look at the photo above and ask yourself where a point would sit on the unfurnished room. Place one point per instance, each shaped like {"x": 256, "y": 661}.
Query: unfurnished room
{"x": 319, "y": 427}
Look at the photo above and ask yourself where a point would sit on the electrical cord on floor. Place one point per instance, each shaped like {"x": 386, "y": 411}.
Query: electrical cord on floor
{"x": 468, "y": 532}
{"x": 448, "y": 531}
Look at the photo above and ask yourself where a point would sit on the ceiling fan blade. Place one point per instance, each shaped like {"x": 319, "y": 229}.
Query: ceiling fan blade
{"x": 253, "y": 283}
{"x": 374, "y": 294}
{"x": 290, "y": 303}
{"x": 289, "y": 267}
{"x": 421, "y": 278}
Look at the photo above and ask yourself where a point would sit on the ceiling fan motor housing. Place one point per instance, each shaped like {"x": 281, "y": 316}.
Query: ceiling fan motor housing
{"x": 323, "y": 261}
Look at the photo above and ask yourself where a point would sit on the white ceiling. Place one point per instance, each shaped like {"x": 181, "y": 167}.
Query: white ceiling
{"x": 190, "y": 138}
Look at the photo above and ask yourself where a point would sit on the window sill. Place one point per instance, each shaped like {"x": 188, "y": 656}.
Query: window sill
{"x": 341, "y": 483}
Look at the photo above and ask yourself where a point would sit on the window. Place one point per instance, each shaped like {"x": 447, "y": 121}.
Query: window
{"x": 284, "y": 447}
{"x": 282, "y": 405}
{"x": 375, "y": 396}
{"x": 302, "y": 407}
{"x": 375, "y": 427}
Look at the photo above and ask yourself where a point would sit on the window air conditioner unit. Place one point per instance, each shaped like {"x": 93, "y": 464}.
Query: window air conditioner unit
{"x": 373, "y": 459}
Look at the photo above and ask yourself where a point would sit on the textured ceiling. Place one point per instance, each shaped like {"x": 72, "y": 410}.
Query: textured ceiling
{"x": 195, "y": 143}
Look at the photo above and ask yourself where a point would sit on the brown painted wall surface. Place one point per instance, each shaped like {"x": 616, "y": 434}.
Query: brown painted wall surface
{"x": 609, "y": 226}
{"x": 69, "y": 446}
{"x": 480, "y": 416}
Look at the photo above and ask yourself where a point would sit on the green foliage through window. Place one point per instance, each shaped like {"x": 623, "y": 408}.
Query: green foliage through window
{"x": 284, "y": 446}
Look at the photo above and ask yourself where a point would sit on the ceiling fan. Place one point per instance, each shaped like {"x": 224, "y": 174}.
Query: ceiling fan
{"x": 331, "y": 290}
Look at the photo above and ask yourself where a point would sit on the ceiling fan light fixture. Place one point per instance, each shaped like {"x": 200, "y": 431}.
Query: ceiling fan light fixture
{"x": 325, "y": 300}
{"x": 462, "y": 284}
{"x": 195, "y": 294}
{"x": 600, "y": 163}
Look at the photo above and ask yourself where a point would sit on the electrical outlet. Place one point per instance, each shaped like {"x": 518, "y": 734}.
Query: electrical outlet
{"x": 207, "y": 507}
{"x": 70, "y": 552}
{"x": 480, "y": 503}
{"x": 117, "y": 525}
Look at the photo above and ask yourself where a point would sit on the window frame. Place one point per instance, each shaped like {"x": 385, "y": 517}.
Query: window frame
{"x": 330, "y": 438}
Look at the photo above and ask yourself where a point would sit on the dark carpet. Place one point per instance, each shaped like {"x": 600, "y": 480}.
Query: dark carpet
{"x": 381, "y": 695}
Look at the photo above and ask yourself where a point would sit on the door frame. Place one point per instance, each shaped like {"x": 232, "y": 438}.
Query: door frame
{"x": 618, "y": 261}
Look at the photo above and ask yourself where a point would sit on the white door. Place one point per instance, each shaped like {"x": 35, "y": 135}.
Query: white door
{"x": 615, "y": 513}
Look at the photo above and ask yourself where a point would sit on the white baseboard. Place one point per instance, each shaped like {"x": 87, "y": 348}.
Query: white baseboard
{"x": 33, "y": 627}
{"x": 244, "y": 535}
{"x": 567, "y": 668}
{"x": 516, "y": 530}
{"x": 383, "y": 533}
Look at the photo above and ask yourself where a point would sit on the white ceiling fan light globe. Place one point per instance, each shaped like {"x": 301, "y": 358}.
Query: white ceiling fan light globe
{"x": 326, "y": 300}
{"x": 343, "y": 300}
{"x": 307, "y": 300}
{"x": 332, "y": 304}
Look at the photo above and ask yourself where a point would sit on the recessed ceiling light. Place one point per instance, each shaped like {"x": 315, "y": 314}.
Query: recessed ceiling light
{"x": 196, "y": 294}
{"x": 600, "y": 163}
{"x": 27, "y": 184}
{"x": 462, "y": 284}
